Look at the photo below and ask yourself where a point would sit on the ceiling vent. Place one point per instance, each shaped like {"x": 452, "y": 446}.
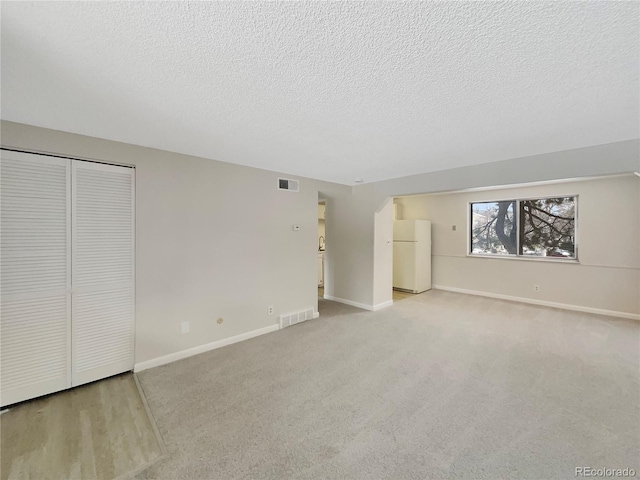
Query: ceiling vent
{"x": 286, "y": 184}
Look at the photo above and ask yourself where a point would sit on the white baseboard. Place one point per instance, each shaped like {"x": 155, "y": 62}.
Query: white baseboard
{"x": 364, "y": 306}
{"x": 382, "y": 305}
{"x": 349, "y": 302}
{"x": 544, "y": 303}
{"x": 172, "y": 357}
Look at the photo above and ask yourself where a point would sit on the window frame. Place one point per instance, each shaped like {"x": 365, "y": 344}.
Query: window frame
{"x": 517, "y": 255}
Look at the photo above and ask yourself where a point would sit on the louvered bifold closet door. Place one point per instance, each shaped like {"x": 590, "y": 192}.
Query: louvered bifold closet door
{"x": 102, "y": 270}
{"x": 35, "y": 243}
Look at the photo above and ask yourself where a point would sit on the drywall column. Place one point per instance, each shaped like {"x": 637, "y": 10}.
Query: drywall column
{"x": 383, "y": 256}
{"x": 359, "y": 225}
{"x": 349, "y": 223}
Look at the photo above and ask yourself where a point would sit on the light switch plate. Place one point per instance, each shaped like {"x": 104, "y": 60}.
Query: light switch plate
{"x": 184, "y": 327}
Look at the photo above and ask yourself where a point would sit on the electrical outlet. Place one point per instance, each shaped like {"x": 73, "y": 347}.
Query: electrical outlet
{"x": 536, "y": 288}
{"x": 270, "y": 309}
{"x": 184, "y": 327}
{"x": 296, "y": 228}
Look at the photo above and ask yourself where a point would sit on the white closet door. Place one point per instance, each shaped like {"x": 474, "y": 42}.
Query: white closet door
{"x": 102, "y": 270}
{"x": 35, "y": 243}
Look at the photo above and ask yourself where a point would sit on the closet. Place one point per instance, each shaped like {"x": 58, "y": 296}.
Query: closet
{"x": 66, "y": 273}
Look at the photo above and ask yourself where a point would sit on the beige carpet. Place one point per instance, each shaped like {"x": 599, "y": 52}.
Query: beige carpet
{"x": 440, "y": 385}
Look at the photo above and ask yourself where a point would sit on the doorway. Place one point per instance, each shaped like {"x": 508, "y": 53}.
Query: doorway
{"x": 411, "y": 253}
{"x": 321, "y": 247}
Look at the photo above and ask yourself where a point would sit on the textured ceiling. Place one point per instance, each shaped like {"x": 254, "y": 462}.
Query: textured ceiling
{"x": 335, "y": 90}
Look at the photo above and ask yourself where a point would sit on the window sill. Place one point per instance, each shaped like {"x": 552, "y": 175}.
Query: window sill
{"x": 573, "y": 261}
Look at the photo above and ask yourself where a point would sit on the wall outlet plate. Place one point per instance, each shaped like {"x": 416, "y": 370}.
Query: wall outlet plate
{"x": 270, "y": 309}
{"x": 295, "y": 228}
{"x": 184, "y": 327}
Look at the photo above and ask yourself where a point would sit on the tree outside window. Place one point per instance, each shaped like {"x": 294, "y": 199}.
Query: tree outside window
{"x": 543, "y": 227}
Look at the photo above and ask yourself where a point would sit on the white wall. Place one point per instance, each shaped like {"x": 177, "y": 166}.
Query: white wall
{"x": 612, "y": 158}
{"x": 383, "y": 250}
{"x": 348, "y": 273}
{"x": 212, "y": 240}
{"x": 358, "y": 227}
{"x": 607, "y": 276}
{"x": 215, "y": 207}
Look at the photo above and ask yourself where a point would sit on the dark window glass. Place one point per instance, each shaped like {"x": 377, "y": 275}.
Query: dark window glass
{"x": 547, "y": 227}
{"x": 493, "y": 228}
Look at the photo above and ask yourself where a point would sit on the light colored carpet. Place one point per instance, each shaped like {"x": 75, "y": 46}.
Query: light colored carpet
{"x": 440, "y": 385}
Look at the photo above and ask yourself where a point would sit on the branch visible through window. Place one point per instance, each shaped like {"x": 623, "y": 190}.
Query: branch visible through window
{"x": 543, "y": 227}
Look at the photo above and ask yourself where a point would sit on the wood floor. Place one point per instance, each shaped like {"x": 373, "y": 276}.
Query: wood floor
{"x": 96, "y": 431}
{"x": 398, "y": 295}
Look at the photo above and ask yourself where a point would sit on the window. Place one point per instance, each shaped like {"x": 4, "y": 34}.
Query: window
{"x": 540, "y": 227}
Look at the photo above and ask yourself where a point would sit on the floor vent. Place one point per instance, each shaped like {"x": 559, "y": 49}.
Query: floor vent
{"x": 297, "y": 317}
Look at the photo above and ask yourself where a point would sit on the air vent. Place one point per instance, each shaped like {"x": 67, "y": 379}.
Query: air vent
{"x": 297, "y": 317}
{"x": 286, "y": 184}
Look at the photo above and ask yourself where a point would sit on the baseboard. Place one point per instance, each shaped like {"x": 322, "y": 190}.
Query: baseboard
{"x": 316, "y": 315}
{"x": 172, "y": 357}
{"x": 364, "y": 306}
{"x": 349, "y": 302}
{"x": 544, "y": 303}
{"x": 382, "y": 305}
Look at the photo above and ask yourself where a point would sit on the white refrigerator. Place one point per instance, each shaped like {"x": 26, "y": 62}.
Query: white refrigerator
{"x": 412, "y": 255}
